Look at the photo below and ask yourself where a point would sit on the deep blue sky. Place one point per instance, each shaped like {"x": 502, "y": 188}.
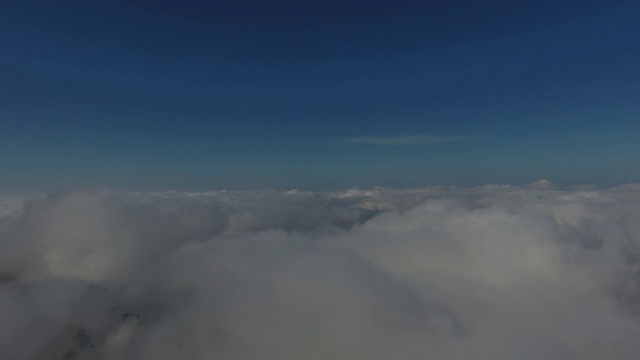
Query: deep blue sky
{"x": 317, "y": 94}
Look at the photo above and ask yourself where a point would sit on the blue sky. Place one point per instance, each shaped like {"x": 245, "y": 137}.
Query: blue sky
{"x": 253, "y": 94}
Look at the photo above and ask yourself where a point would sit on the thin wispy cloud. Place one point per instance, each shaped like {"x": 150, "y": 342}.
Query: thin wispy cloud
{"x": 408, "y": 140}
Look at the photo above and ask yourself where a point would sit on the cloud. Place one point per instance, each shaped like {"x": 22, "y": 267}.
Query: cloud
{"x": 496, "y": 272}
{"x": 409, "y": 140}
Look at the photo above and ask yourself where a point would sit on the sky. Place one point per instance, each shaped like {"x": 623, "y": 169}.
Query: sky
{"x": 286, "y": 179}
{"x": 196, "y": 95}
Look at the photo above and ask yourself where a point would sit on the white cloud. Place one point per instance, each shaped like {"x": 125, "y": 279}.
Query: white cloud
{"x": 497, "y": 272}
{"x": 408, "y": 140}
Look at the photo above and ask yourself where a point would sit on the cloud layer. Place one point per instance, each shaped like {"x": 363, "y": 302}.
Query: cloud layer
{"x": 495, "y": 272}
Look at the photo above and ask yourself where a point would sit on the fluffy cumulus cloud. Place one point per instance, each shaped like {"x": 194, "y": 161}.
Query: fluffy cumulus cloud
{"x": 494, "y": 272}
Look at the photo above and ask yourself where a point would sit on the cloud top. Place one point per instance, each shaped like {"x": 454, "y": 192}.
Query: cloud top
{"x": 496, "y": 272}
